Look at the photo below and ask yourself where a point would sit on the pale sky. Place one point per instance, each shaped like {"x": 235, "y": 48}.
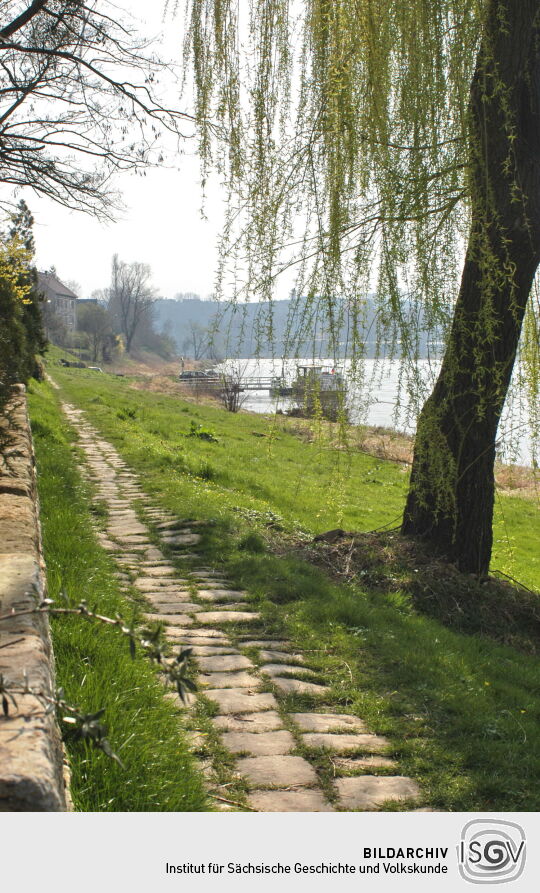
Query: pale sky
{"x": 162, "y": 223}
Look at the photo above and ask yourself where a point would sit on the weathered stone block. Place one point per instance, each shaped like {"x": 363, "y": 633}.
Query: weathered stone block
{"x": 277, "y": 771}
{"x": 233, "y": 700}
{"x": 259, "y": 743}
{"x": 344, "y": 742}
{"x": 221, "y": 663}
{"x": 267, "y": 721}
{"x": 371, "y": 791}
{"x": 328, "y": 722}
{"x": 289, "y": 801}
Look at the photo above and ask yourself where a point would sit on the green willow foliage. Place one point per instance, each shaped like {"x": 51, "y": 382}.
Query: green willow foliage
{"x": 342, "y": 130}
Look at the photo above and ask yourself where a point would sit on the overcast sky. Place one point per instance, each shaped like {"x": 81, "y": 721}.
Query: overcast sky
{"x": 162, "y": 223}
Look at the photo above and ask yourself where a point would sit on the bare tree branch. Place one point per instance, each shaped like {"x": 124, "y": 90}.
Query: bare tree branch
{"x": 80, "y": 95}
{"x": 131, "y": 297}
{"x": 23, "y": 18}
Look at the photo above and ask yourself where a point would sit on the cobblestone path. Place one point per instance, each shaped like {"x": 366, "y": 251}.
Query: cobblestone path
{"x": 198, "y": 611}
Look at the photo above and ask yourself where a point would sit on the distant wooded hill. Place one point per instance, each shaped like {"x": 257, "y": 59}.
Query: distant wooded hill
{"x": 295, "y": 327}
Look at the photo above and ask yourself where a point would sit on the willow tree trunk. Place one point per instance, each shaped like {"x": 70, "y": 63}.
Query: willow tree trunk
{"x": 451, "y": 496}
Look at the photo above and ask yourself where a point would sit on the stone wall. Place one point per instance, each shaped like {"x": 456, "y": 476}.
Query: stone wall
{"x": 31, "y": 755}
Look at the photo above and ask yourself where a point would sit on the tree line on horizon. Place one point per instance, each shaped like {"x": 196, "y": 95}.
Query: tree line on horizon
{"x": 212, "y": 330}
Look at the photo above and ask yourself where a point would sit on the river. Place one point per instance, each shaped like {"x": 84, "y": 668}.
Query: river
{"x": 380, "y": 395}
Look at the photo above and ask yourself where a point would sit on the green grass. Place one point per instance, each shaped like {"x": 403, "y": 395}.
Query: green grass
{"x": 93, "y": 665}
{"x": 260, "y": 468}
{"x": 257, "y": 465}
{"x": 461, "y": 711}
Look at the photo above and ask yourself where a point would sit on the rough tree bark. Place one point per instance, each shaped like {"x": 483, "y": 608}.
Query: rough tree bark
{"x": 451, "y": 496}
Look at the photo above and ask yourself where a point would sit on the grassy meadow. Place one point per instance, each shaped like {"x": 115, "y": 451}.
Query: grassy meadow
{"x": 461, "y": 710}
{"x": 94, "y": 666}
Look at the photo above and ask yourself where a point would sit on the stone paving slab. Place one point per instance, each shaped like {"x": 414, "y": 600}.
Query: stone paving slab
{"x": 167, "y": 584}
{"x": 277, "y": 771}
{"x": 182, "y": 539}
{"x": 267, "y": 721}
{"x": 360, "y": 764}
{"x": 142, "y": 547}
{"x": 237, "y": 593}
{"x": 219, "y": 664}
{"x": 107, "y": 544}
{"x": 207, "y": 572}
{"x": 162, "y": 570}
{"x": 165, "y": 587}
{"x": 117, "y": 531}
{"x": 157, "y": 562}
{"x": 371, "y": 791}
{"x": 280, "y": 656}
{"x": 229, "y": 680}
{"x": 172, "y": 608}
{"x": 231, "y": 700}
{"x": 135, "y": 539}
{"x": 127, "y": 558}
{"x": 227, "y": 616}
{"x": 211, "y": 635}
{"x": 128, "y": 529}
{"x": 209, "y": 582}
{"x": 176, "y": 636}
{"x": 343, "y": 742}
{"x": 169, "y": 525}
{"x": 183, "y": 619}
{"x": 169, "y": 598}
{"x": 154, "y": 554}
{"x": 161, "y": 573}
{"x": 221, "y": 595}
{"x": 210, "y": 650}
{"x": 262, "y": 643}
{"x": 278, "y": 669}
{"x": 200, "y": 642}
{"x": 259, "y": 743}
{"x": 124, "y": 525}
{"x": 289, "y": 801}
{"x": 328, "y": 722}
{"x": 158, "y": 595}
{"x": 298, "y": 686}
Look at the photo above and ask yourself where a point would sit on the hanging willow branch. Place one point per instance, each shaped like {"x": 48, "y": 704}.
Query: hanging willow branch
{"x": 344, "y": 137}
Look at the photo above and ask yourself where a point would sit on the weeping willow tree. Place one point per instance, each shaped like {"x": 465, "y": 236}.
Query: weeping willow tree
{"x": 395, "y": 147}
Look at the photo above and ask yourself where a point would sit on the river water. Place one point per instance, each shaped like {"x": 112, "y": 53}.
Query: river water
{"x": 380, "y": 394}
